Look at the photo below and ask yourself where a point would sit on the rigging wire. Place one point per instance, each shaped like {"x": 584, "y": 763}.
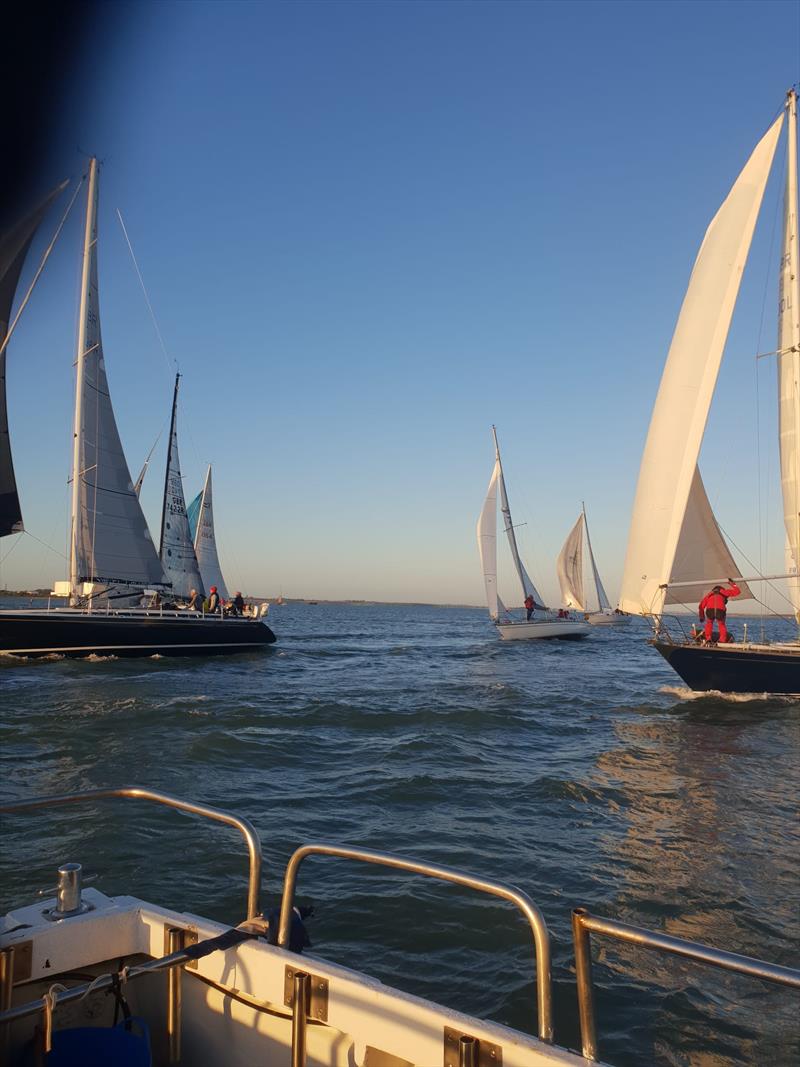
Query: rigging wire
{"x": 40, "y": 268}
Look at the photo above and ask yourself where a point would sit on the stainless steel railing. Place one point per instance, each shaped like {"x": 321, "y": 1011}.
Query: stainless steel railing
{"x": 584, "y": 924}
{"x": 541, "y": 936}
{"x": 244, "y": 826}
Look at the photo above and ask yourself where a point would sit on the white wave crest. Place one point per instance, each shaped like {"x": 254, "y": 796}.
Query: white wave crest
{"x": 684, "y": 693}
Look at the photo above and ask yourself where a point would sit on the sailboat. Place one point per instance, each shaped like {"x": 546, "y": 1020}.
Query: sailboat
{"x": 201, "y": 524}
{"x": 176, "y": 552}
{"x": 508, "y": 628}
{"x": 676, "y": 550}
{"x": 569, "y": 567}
{"x": 112, "y": 555}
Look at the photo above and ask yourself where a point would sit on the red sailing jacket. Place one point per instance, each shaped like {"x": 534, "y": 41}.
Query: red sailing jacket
{"x": 718, "y": 601}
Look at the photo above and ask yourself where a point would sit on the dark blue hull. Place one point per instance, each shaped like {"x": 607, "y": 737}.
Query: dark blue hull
{"x": 732, "y": 669}
{"x": 42, "y": 633}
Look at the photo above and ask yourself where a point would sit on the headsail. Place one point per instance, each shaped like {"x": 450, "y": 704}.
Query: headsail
{"x": 528, "y": 588}
{"x": 789, "y": 363}
{"x": 687, "y": 386}
{"x": 201, "y": 524}
{"x": 569, "y": 567}
{"x": 177, "y": 551}
{"x": 14, "y": 245}
{"x": 111, "y": 544}
{"x": 603, "y": 603}
{"x": 487, "y": 542}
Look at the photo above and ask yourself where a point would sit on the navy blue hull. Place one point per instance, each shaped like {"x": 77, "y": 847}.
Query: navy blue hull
{"x": 73, "y": 634}
{"x": 734, "y": 670}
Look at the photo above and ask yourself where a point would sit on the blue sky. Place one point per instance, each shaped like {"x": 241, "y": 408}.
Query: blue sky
{"x": 369, "y": 231}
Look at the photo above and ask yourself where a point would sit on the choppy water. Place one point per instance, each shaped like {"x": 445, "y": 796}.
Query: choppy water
{"x": 581, "y": 772}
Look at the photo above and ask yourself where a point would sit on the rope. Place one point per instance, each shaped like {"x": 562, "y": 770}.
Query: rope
{"x": 167, "y": 357}
{"x": 40, "y": 269}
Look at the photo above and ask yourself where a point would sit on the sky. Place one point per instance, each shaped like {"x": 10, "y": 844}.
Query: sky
{"x": 370, "y": 231}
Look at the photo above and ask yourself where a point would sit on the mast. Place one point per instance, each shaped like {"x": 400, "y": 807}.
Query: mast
{"x": 789, "y": 360}
{"x": 170, "y": 439}
{"x": 89, "y": 240}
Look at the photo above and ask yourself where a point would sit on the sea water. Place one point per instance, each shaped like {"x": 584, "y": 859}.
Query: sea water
{"x": 582, "y": 772}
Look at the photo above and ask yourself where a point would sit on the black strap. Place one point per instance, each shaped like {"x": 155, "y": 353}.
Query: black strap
{"x": 218, "y": 944}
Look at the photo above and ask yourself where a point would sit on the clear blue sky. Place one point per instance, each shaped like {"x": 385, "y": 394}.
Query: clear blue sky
{"x": 369, "y": 231}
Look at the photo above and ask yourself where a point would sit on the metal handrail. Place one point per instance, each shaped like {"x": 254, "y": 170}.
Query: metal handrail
{"x": 583, "y": 924}
{"x": 541, "y": 935}
{"x": 244, "y": 826}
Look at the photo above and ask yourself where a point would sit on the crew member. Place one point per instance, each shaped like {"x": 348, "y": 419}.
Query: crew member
{"x": 213, "y": 600}
{"x": 529, "y": 605}
{"x": 195, "y": 603}
{"x": 238, "y": 604}
{"x": 714, "y": 607}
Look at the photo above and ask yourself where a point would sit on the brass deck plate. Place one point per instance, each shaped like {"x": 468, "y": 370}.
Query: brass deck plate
{"x": 489, "y": 1055}
{"x": 189, "y": 938}
{"x": 318, "y": 988}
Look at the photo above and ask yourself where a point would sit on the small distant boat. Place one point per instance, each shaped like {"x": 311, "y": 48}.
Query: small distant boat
{"x": 676, "y": 549}
{"x": 201, "y": 525}
{"x": 113, "y": 560}
{"x": 570, "y": 577}
{"x": 513, "y": 629}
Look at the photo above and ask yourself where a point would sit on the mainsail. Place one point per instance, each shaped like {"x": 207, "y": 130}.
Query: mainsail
{"x": 111, "y": 544}
{"x": 789, "y": 363}
{"x": 569, "y": 567}
{"x": 669, "y": 463}
{"x": 14, "y": 245}
{"x": 177, "y": 551}
{"x": 528, "y": 588}
{"x": 487, "y": 542}
{"x": 603, "y": 603}
{"x": 201, "y": 526}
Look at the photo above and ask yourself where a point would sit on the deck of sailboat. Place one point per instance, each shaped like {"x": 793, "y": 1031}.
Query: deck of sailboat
{"x": 735, "y": 667}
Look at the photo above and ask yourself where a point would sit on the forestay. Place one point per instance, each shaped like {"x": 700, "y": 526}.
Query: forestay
{"x": 111, "y": 541}
{"x": 201, "y": 525}
{"x": 669, "y": 462}
{"x": 177, "y": 550}
{"x": 789, "y": 363}
{"x": 487, "y": 542}
{"x": 14, "y": 245}
{"x": 569, "y": 567}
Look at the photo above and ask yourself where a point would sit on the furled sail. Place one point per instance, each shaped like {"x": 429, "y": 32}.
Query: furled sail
{"x": 603, "y": 603}
{"x": 201, "y": 525}
{"x": 14, "y": 245}
{"x": 789, "y": 363}
{"x": 111, "y": 544}
{"x": 177, "y": 550}
{"x": 702, "y": 550}
{"x": 487, "y": 542}
{"x": 569, "y": 567}
{"x": 687, "y": 386}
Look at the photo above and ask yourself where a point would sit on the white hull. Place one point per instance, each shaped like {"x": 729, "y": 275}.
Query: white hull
{"x": 543, "y": 629}
{"x": 602, "y": 618}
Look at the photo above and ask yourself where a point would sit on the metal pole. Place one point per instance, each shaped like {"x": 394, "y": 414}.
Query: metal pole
{"x": 468, "y": 1050}
{"x": 244, "y": 826}
{"x": 175, "y": 943}
{"x": 89, "y": 238}
{"x": 6, "y": 991}
{"x": 583, "y": 975}
{"x": 722, "y": 581}
{"x": 541, "y": 935}
{"x": 299, "y": 1018}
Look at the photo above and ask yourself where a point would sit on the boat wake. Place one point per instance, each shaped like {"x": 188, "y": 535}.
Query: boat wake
{"x": 684, "y": 693}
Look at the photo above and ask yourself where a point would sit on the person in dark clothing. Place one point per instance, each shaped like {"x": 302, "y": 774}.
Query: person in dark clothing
{"x": 195, "y": 603}
{"x": 529, "y": 606}
{"x": 714, "y": 608}
{"x": 238, "y": 603}
{"x": 212, "y": 604}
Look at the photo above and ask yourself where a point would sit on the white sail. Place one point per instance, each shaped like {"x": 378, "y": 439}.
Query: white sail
{"x": 687, "y": 386}
{"x": 603, "y": 603}
{"x": 789, "y": 363}
{"x": 569, "y": 567}
{"x": 177, "y": 550}
{"x": 487, "y": 542}
{"x": 702, "y": 551}
{"x": 205, "y": 543}
{"x": 111, "y": 544}
{"x": 528, "y": 588}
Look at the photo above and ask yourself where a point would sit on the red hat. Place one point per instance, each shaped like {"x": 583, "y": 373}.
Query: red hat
{"x": 213, "y": 589}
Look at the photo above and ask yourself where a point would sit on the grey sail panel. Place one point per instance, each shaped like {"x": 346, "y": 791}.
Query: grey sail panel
{"x": 177, "y": 552}
{"x": 205, "y": 542}
{"x": 113, "y": 545}
{"x": 14, "y": 245}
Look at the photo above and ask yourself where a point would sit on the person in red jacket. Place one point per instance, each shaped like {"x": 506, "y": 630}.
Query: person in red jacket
{"x": 714, "y": 607}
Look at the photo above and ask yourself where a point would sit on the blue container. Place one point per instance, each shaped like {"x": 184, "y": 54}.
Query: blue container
{"x": 90, "y": 1046}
